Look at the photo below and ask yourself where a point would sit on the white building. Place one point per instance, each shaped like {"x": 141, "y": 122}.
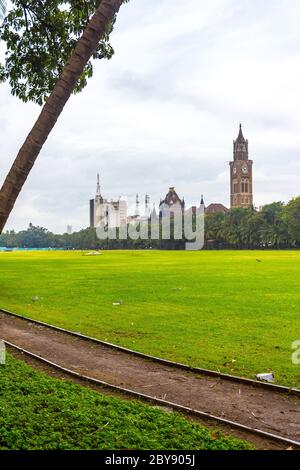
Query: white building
{"x": 105, "y": 212}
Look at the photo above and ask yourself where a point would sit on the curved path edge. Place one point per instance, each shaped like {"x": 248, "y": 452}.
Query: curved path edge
{"x": 197, "y": 370}
{"x": 153, "y": 400}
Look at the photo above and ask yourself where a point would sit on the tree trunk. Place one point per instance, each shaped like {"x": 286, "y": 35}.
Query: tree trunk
{"x": 54, "y": 106}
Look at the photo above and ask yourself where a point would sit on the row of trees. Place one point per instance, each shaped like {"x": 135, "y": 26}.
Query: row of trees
{"x": 39, "y": 237}
{"x": 275, "y": 226}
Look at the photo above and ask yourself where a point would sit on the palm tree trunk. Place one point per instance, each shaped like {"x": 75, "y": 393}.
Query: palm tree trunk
{"x": 54, "y": 106}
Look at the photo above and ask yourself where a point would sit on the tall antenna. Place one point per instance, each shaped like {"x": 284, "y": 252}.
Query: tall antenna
{"x": 137, "y": 210}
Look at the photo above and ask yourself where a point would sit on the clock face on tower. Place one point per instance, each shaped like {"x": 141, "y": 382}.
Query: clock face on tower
{"x": 245, "y": 169}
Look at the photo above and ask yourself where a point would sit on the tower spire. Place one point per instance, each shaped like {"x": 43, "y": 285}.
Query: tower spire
{"x": 241, "y": 138}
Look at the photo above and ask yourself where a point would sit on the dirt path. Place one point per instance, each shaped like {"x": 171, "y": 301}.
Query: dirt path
{"x": 267, "y": 410}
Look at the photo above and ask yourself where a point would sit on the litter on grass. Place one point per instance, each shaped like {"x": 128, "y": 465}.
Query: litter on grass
{"x": 93, "y": 253}
{"x": 266, "y": 377}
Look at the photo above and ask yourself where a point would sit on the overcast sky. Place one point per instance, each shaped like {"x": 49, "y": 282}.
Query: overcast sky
{"x": 165, "y": 110}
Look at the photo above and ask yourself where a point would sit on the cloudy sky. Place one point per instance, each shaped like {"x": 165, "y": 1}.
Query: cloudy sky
{"x": 165, "y": 110}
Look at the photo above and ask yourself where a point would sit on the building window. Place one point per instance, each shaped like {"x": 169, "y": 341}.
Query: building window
{"x": 245, "y": 186}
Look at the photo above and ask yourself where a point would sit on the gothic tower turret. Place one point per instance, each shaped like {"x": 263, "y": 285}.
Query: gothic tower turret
{"x": 241, "y": 176}
{"x": 137, "y": 206}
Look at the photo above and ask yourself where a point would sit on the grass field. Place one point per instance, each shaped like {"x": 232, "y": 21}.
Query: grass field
{"x": 219, "y": 310}
{"x": 39, "y": 412}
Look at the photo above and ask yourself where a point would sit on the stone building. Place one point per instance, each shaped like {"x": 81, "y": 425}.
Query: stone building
{"x": 114, "y": 212}
{"x": 171, "y": 202}
{"x": 241, "y": 176}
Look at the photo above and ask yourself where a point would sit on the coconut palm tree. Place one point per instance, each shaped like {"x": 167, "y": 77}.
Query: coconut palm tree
{"x": 54, "y": 106}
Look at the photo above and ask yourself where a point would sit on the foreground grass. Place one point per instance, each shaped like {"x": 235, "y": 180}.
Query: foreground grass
{"x": 39, "y": 412}
{"x": 220, "y": 310}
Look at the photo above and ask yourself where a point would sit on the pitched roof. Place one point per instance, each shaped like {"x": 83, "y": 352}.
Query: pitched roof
{"x": 172, "y": 198}
{"x": 216, "y": 208}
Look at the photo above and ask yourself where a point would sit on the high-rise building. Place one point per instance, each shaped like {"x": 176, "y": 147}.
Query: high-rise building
{"x": 112, "y": 213}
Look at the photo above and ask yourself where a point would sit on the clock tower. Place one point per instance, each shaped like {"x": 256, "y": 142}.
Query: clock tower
{"x": 241, "y": 187}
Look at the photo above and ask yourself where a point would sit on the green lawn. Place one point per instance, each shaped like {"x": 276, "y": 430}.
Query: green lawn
{"x": 39, "y": 412}
{"x": 219, "y": 310}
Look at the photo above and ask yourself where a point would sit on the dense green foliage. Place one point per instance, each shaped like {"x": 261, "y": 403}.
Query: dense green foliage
{"x": 292, "y": 218}
{"x": 274, "y": 226}
{"x": 39, "y": 412}
{"x": 40, "y": 36}
{"x": 236, "y": 311}
{"x": 39, "y": 237}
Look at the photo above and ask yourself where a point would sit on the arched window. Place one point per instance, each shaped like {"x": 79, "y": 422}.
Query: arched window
{"x": 245, "y": 186}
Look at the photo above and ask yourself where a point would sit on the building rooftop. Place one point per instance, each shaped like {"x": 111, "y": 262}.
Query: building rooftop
{"x": 216, "y": 209}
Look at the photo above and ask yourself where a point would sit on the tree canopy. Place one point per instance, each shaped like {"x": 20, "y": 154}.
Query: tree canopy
{"x": 40, "y": 36}
{"x": 292, "y": 219}
{"x": 274, "y": 226}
